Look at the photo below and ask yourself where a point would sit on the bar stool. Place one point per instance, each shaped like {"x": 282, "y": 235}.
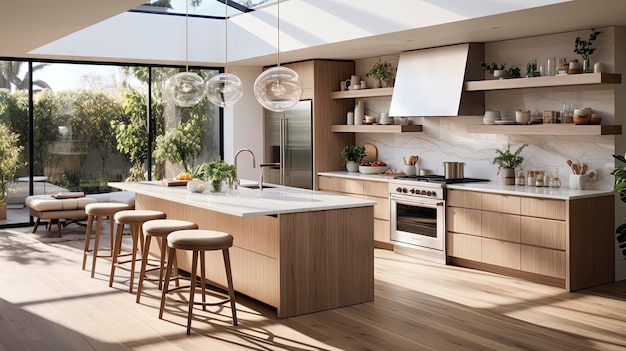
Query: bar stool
{"x": 160, "y": 229}
{"x": 198, "y": 241}
{"x": 99, "y": 210}
{"x": 135, "y": 219}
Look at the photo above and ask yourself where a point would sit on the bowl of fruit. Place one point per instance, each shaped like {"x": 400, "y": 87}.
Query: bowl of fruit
{"x": 373, "y": 167}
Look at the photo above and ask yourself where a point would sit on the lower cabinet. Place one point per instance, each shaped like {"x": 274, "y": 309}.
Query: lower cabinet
{"x": 370, "y": 190}
{"x": 567, "y": 243}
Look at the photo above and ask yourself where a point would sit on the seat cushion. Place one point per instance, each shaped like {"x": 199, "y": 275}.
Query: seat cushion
{"x": 199, "y": 239}
{"x": 105, "y": 208}
{"x": 124, "y": 197}
{"x": 162, "y": 227}
{"x": 137, "y": 216}
{"x": 44, "y": 203}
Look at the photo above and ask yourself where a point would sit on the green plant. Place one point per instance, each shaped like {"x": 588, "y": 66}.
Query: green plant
{"x": 381, "y": 71}
{"x": 179, "y": 145}
{"x": 506, "y": 159}
{"x": 620, "y": 188}
{"x": 217, "y": 170}
{"x": 531, "y": 69}
{"x": 10, "y": 160}
{"x": 513, "y": 72}
{"x": 352, "y": 153}
{"x": 583, "y": 47}
{"x": 492, "y": 67}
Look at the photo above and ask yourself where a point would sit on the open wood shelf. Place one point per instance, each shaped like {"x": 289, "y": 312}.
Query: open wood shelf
{"x": 542, "y": 82}
{"x": 393, "y": 128}
{"x": 545, "y": 129}
{"x": 362, "y": 93}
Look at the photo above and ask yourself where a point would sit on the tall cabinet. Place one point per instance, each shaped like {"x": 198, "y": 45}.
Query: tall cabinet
{"x": 319, "y": 79}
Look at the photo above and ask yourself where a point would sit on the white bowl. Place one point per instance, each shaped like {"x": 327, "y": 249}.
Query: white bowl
{"x": 493, "y": 114}
{"x": 196, "y": 186}
{"x": 373, "y": 169}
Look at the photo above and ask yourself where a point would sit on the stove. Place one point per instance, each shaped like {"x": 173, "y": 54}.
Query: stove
{"x": 438, "y": 179}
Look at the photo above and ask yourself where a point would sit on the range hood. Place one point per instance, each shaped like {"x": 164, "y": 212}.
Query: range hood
{"x": 429, "y": 82}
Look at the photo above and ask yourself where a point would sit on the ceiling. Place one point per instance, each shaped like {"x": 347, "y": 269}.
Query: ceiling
{"x": 50, "y": 29}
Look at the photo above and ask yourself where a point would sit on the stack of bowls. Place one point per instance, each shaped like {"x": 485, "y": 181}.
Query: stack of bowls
{"x": 385, "y": 120}
{"x": 491, "y": 117}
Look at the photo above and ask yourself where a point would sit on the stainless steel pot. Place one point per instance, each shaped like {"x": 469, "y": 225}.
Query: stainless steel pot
{"x": 454, "y": 170}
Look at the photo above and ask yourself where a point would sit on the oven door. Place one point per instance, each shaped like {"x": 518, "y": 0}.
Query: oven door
{"x": 418, "y": 222}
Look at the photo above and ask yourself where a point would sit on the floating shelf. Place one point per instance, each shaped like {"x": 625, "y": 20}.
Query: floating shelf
{"x": 363, "y": 93}
{"x": 542, "y": 82}
{"x": 546, "y": 129}
{"x": 393, "y": 128}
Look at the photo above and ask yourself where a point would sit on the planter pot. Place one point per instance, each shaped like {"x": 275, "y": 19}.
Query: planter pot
{"x": 352, "y": 166}
{"x": 215, "y": 186}
{"x": 508, "y": 176}
{"x": 499, "y": 73}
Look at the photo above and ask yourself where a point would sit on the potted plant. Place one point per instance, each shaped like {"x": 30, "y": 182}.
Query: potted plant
{"x": 352, "y": 156}
{"x": 495, "y": 69}
{"x": 10, "y": 163}
{"x": 584, "y": 49}
{"x": 382, "y": 72}
{"x": 216, "y": 172}
{"x": 508, "y": 161}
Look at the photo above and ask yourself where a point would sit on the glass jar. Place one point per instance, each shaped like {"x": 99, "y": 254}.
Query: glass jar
{"x": 555, "y": 182}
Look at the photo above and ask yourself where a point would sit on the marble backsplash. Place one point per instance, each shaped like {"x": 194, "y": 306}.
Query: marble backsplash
{"x": 445, "y": 139}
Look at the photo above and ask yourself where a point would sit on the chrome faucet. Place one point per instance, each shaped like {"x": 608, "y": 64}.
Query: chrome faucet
{"x": 264, "y": 166}
{"x": 237, "y": 170}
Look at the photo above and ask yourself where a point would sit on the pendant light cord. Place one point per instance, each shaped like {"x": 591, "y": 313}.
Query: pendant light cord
{"x": 226, "y": 34}
{"x": 278, "y": 28}
{"x": 186, "y": 36}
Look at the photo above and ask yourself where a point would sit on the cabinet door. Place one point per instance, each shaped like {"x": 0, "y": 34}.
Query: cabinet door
{"x": 501, "y": 226}
{"x": 544, "y": 208}
{"x": 380, "y": 189}
{"x": 462, "y": 198}
{"x": 501, "y": 203}
{"x": 500, "y": 253}
{"x": 463, "y": 246}
{"x": 543, "y": 261}
{"x": 351, "y": 186}
{"x": 543, "y": 232}
{"x": 328, "y": 183}
{"x": 381, "y": 209}
{"x": 463, "y": 220}
{"x": 382, "y": 230}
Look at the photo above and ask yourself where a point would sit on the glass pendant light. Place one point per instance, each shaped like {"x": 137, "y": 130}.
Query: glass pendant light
{"x": 278, "y": 88}
{"x": 185, "y": 89}
{"x": 225, "y": 89}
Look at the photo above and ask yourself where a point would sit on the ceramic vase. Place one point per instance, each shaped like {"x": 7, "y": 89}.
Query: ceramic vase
{"x": 508, "y": 176}
{"x": 215, "y": 186}
{"x": 352, "y": 166}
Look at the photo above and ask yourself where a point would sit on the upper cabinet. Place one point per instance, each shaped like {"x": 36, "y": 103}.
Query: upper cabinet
{"x": 544, "y": 82}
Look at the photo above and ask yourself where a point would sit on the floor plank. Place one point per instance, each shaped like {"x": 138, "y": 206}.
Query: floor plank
{"x": 48, "y": 303}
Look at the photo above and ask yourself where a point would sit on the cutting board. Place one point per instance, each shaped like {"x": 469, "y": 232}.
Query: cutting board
{"x": 371, "y": 153}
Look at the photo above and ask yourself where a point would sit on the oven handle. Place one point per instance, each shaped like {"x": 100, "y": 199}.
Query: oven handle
{"x": 412, "y": 202}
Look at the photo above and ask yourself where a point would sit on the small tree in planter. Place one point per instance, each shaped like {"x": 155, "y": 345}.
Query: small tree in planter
{"x": 382, "y": 72}
{"x": 507, "y": 162}
{"x": 10, "y": 163}
{"x": 216, "y": 172}
{"x": 352, "y": 156}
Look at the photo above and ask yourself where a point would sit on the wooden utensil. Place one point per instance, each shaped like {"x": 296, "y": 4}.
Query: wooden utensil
{"x": 404, "y": 159}
{"x": 417, "y": 158}
{"x": 575, "y": 168}
{"x": 584, "y": 169}
{"x": 592, "y": 174}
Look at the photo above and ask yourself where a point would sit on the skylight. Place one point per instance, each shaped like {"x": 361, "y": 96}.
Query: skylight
{"x": 205, "y": 8}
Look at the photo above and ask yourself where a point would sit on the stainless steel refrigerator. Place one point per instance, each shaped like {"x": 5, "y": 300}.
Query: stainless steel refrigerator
{"x": 289, "y": 144}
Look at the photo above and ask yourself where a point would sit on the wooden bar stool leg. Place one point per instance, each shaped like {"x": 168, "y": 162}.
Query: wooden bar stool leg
{"x": 203, "y": 280}
{"x": 192, "y": 289}
{"x": 87, "y": 239}
{"x": 135, "y": 237}
{"x": 117, "y": 249}
{"x": 229, "y": 279}
{"x": 142, "y": 272}
{"x": 96, "y": 243}
{"x": 162, "y": 262}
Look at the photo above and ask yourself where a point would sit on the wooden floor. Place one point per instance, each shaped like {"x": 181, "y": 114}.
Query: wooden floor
{"x": 48, "y": 303}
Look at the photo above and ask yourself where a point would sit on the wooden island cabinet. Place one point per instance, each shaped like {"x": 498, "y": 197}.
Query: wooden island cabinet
{"x": 563, "y": 242}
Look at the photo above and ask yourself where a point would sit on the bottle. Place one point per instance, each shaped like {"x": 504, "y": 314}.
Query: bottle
{"x": 520, "y": 180}
{"x": 546, "y": 178}
{"x": 531, "y": 178}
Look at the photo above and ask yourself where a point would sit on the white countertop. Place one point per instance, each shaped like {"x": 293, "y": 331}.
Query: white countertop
{"x": 249, "y": 202}
{"x": 492, "y": 187}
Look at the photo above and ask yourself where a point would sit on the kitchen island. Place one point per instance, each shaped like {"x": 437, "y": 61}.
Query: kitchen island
{"x": 297, "y": 250}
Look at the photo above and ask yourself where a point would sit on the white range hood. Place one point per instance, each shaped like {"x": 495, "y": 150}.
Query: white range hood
{"x": 430, "y": 82}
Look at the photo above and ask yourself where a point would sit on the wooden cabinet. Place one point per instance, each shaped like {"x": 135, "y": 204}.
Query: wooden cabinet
{"x": 545, "y": 240}
{"x": 545, "y": 82}
{"x": 370, "y": 190}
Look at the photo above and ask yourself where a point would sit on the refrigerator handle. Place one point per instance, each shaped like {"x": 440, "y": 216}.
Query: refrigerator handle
{"x": 283, "y": 148}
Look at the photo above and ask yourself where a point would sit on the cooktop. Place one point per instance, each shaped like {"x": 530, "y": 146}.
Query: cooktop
{"x": 438, "y": 179}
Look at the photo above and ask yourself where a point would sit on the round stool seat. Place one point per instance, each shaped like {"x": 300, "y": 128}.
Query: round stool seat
{"x": 199, "y": 240}
{"x": 163, "y": 227}
{"x": 137, "y": 216}
{"x": 105, "y": 208}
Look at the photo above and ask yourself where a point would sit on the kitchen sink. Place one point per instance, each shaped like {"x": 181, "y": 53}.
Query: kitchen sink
{"x": 256, "y": 186}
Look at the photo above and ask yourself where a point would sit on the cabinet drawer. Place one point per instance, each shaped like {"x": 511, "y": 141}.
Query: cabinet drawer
{"x": 501, "y": 203}
{"x": 328, "y": 183}
{"x": 501, "y": 226}
{"x": 382, "y": 230}
{"x": 380, "y": 189}
{"x": 554, "y": 209}
{"x": 463, "y": 220}
{"x": 543, "y": 232}
{"x": 351, "y": 186}
{"x": 543, "y": 261}
{"x": 500, "y": 253}
{"x": 463, "y": 246}
{"x": 381, "y": 209}
{"x": 462, "y": 198}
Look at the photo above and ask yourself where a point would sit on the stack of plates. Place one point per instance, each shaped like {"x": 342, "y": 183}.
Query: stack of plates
{"x": 491, "y": 117}
{"x": 386, "y": 120}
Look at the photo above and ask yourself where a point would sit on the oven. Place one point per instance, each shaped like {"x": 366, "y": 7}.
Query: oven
{"x": 418, "y": 221}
